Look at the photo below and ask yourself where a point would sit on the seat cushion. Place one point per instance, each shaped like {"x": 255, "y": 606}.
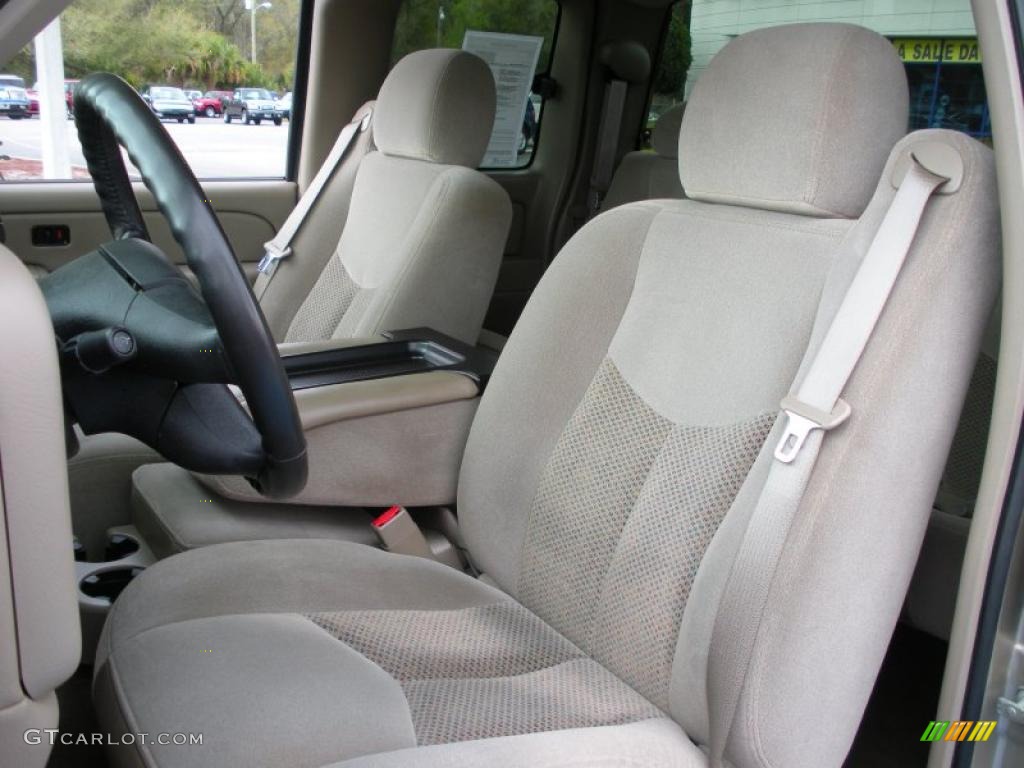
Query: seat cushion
{"x": 307, "y": 653}
{"x": 174, "y": 512}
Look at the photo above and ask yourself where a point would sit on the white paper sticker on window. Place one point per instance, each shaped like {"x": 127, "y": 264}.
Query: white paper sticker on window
{"x": 513, "y": 60}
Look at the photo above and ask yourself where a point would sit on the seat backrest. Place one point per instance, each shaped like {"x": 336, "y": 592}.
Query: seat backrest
{"x": 624, "y": 438}
{"x": 424, "y": 231}
{"x": 650, "y": 175}
{"x": 316, "y": 241}
{"x": 40, "y": 639}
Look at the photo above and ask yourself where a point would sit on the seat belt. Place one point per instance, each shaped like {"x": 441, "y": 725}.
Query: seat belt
{"x": 812, "y": 411}
{"x": 607, "y": 143}
{"x": 280, "y": 247}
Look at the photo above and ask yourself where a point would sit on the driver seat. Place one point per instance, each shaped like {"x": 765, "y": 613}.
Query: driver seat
{"x": 610, "y": 475}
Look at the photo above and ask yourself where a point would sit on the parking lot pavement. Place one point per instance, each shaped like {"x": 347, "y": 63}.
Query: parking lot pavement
{"x": 214, "y": 149}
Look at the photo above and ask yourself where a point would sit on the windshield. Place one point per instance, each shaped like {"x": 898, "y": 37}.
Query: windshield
{"x": 168, "y": 94}
{"x": 12, "y": 81}
{"x": 256, "y": 93}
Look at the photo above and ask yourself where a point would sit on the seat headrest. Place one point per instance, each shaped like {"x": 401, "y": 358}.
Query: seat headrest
{"x": 665, "y": 133}
{"x": 797, "y": 118}
{"x": 437, "y": 105}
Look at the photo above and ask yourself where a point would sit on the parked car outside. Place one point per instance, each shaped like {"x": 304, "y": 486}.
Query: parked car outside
{"x": 252, "y": 105}
{"x": 284, "y": 105}
{"x": 169, "y": 103}
{"x": 33, "y": 102}
{"x": 14, "y": 101}
{"x": 210, "y": 103}
{"x": 193, "y": 95}
{"x": 69, "y": 96}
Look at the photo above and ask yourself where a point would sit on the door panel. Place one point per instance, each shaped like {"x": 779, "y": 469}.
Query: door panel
{"x": 251, "y": 212}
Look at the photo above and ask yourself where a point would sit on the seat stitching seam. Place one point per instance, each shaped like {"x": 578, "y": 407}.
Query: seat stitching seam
{"x": 530, "y": 520}
{"x": 606, "y": 575}
{"x": 809, "y": 230}
{"x": 813, "y": 183}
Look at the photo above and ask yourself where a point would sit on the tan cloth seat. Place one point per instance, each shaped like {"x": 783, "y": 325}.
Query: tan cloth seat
{"x": 40, "y": 633}
{"x": 412, "y": 235}
{"x": 613, "y": 465}
{"x": 652, "y": 175}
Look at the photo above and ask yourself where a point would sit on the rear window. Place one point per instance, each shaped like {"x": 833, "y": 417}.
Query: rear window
{"x": 515, "y": 38}
{"x": 936, "y": 41}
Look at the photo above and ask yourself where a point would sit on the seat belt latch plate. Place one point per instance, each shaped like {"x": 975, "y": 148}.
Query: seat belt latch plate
{"x": 801, "y": 420}
{"x": 271, "y": 256}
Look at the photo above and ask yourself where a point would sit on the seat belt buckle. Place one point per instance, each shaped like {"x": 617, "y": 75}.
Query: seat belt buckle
{"x": 801, "y": 420}
{"x": 271, "y": 256}
{"x": 399, "y": 533}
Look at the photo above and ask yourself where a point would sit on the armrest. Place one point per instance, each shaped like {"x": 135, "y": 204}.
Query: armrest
{"x": 293, "y": 348}
{"x": 377, "y": 442}
{"x": 320, "y": 406}
{"x": 386, "y": 418}
{"x": 392, "y": 354}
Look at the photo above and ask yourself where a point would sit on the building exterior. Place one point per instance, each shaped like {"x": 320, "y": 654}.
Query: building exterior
{"x": 935, "y": 38}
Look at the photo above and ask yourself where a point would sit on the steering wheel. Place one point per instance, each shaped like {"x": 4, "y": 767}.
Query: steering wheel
{"x": 143, "y": 352}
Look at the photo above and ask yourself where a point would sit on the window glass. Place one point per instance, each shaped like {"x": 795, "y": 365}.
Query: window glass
{"x": 510, "y": 36}
{"x": 187, "y": 58}
{"x": 673, "y": 64}
{"x": 935, "y": 39}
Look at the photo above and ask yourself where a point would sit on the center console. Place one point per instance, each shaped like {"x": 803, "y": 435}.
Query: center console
{"x": 386, "y": 420}
{"x": 397, "y": 353}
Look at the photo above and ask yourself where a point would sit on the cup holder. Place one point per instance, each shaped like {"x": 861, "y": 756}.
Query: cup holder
{"x": 107, "y": 585}
{"x": 119, "y": 546}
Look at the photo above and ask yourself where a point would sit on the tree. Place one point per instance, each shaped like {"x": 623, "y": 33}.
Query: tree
{"x": 418, "y": 26}
{"x": 670, "y": 78}
{"x": 181, "y": 43}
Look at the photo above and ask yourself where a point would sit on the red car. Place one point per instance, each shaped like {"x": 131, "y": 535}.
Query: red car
{"x": 69, "y": 98}
{"x": 210, "y": 103}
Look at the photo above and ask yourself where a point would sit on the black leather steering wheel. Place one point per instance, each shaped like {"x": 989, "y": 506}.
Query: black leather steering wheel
{"x": 170, "y": 391}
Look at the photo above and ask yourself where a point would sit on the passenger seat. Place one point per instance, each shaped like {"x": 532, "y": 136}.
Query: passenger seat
{"x": 424, "y": 232}
{"x": 931, "y": 599}
{"x": 650, "y": 175}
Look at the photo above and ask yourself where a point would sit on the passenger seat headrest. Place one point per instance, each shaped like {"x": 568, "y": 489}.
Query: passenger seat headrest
{"x": 665, "y": 133}
{"x": 436, "y": 105}
{"x": 797, "y": 118}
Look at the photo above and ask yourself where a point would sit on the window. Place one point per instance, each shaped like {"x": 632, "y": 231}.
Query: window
{"x": 667, "y": 86}
{"x": 946, "y": 85}
{"x": 189, "y": 59}
{"x": 515, "y": 38}
{"x": 936, "y": 41}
